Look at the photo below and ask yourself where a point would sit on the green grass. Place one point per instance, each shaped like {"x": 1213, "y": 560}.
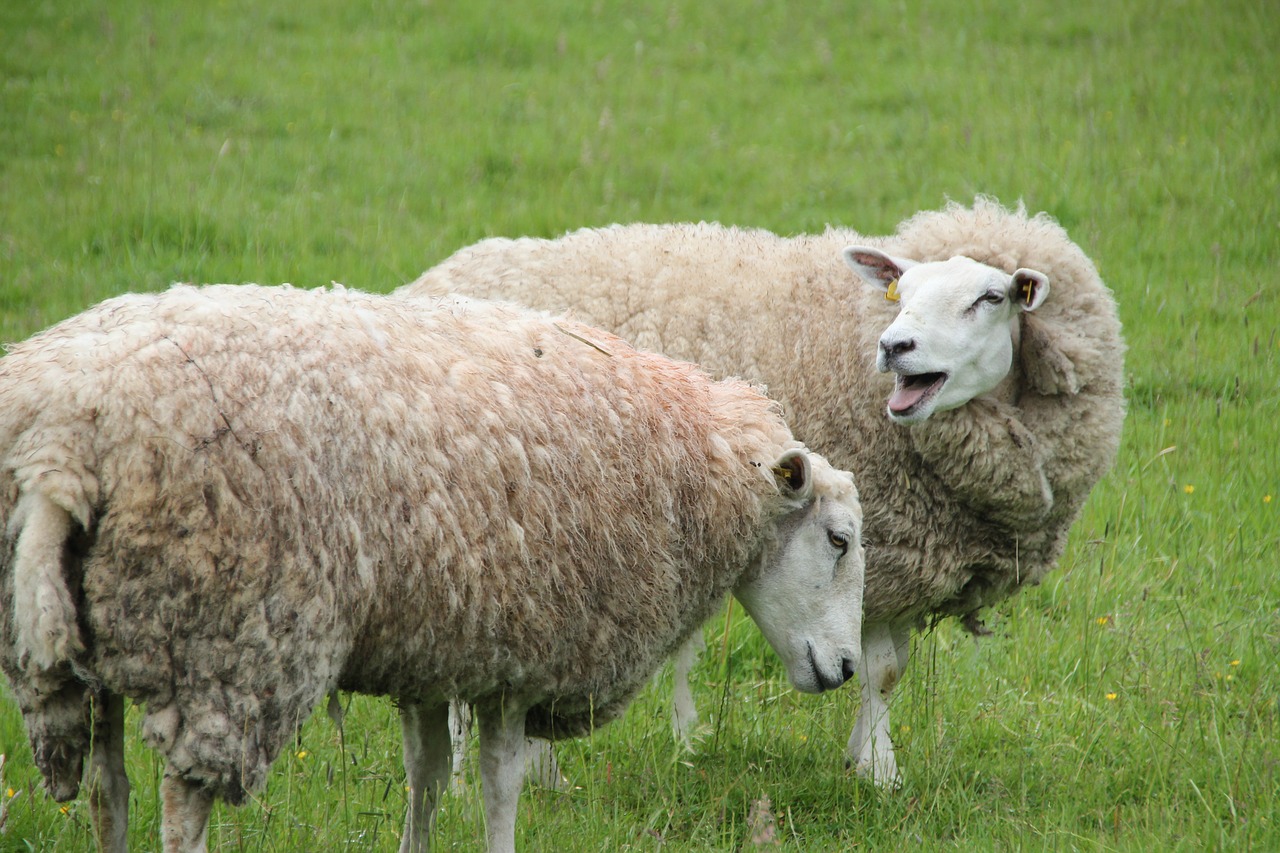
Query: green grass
{"x": 1129, "y": 703}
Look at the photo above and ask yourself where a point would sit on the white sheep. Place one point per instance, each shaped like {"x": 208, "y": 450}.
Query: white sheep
{"x": 228, "y": 502}
{"x": 1005, "y": 408}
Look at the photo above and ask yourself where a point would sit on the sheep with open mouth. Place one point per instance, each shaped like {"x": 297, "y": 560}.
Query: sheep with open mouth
{"x": 1003, "y": 378}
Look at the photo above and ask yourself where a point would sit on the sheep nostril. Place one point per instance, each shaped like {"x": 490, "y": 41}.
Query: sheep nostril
{"x": 849, "y": 668}
{"x": 897, "y": 347}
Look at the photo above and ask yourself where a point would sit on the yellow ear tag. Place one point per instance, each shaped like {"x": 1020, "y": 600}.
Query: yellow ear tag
{"x": 783, "y": 472}
{"x": 891, "y": 295}
{"x": 1027, "y": 288}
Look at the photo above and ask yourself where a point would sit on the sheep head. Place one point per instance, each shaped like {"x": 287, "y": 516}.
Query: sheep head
{"x": 806, "y": 594}
{"x": 957, "y": 324}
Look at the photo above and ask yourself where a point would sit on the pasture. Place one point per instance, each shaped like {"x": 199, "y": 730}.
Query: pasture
{"x": 1128, "y": 703}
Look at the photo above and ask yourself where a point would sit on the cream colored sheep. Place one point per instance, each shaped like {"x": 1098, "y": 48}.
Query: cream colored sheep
{"x": 227, "y": 502}
{"x": 970, "y": 484}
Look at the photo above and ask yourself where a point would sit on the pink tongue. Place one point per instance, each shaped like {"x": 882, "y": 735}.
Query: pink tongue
{"x": 904, "y": 398}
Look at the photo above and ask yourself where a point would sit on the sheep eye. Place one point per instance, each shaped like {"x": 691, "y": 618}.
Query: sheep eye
{"x": 838, "y": 540}
{"x": 994, "y": 297}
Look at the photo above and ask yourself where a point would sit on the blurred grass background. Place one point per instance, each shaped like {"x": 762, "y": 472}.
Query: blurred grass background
{"x": 1129, "y": 703}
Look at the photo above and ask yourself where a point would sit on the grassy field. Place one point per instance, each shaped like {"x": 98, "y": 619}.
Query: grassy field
{"x": 1129, "y": 703}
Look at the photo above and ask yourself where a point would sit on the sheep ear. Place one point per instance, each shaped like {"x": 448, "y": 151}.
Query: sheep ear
{"x": 876, "y": 268}
{"x": 1028, "y": 288}
{"x": 795, "y": 474}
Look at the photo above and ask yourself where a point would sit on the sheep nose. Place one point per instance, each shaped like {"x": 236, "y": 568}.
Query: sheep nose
{"x": 890, "y": 348}
{"x": 848, "y": 668}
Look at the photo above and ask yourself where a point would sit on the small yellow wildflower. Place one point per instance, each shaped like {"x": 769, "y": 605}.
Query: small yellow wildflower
{"x": 10, "y": 793}
{"x": 1111, "y": 697}
{"x": 1167, "y": 422}
{"x": 1188, "y": 488}
{"x": 1235, "y": 663}
{"x": 1104, "y": 620}
{"x": 905, "y": 729}
{"x": 302, "y": 753}
{"x": 65, "y": 810}
{"x": 1266, "y": 499}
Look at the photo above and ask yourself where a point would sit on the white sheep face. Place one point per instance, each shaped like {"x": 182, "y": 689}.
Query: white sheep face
{"x": 953, "y": 338}
{"x": 806, "y": 597}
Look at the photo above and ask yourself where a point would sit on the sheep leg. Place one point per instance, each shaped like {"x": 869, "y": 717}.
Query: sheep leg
{"x": 540, "y": 758}
{"x": 427, "y": 762}
{"x": 684, "y": 713}
{"x": 108, "y": 782}
{"x": 502, "y": 747}
{"x": 886, "y": 649}
{"x": 184, "y": 821}
{"x": 541, "y": 766}
{"x": 460, "y": 733}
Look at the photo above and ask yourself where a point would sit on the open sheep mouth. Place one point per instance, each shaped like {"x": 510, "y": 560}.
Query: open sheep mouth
{"x": 912, "y": 391}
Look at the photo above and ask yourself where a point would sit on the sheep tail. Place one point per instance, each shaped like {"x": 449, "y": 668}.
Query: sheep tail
{"x": 44, "y": 610}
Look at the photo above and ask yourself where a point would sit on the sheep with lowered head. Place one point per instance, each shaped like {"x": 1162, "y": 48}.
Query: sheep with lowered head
{"x": 226, "y": 502}
{"x": 998, "y": 406}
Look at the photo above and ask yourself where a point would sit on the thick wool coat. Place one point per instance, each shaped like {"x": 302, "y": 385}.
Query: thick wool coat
{"x": 282, "y": 492}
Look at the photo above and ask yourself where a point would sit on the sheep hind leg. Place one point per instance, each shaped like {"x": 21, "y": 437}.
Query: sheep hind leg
{"x": 108, "y": 782}
{"x": 427, "y": 750}
{"x": 886, "y": 649}
{"x": 502, "y": 767}
{"x": 184, "y": 820}
{"x": 541, "y": 766}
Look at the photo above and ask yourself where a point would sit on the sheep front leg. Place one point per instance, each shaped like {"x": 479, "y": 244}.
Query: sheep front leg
{"x": 502, "y": 746}
{"x": 108, "y": 782}
{"x": 541, "y": 765}
{"x": 684, "y": 713}
{"x": 427, "y": 750}
{"x": 184, "y": 820}
{"x": 460, "y": 733}
{"x": 886, "y": 648}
